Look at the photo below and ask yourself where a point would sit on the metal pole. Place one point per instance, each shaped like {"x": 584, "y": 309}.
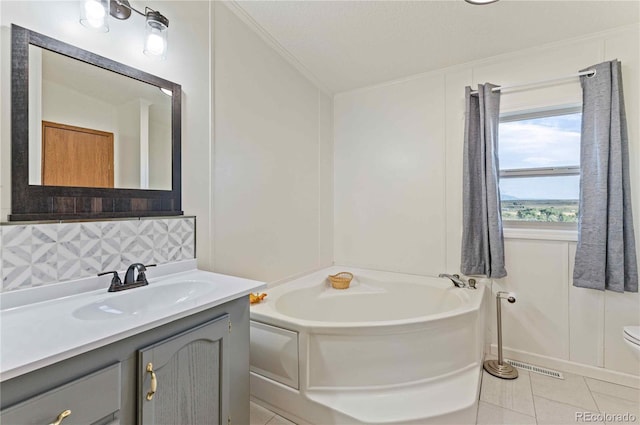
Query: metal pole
{"x": 590, "y": 73}
{"x": 499, "y": 368}
{"x": 499, "y": 310}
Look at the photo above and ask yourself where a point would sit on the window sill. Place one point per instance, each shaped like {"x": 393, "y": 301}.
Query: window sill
{"x": 540, "y": 234}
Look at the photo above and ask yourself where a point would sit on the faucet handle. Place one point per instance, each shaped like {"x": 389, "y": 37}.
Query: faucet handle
{"x": 145, "y": 267}
{"x": 142, "y": 277}
{"x": 115, "y": 280}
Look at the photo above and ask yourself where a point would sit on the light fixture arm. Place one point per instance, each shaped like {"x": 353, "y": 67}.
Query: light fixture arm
{"x": 121, "y": 3}
{"x": 117, "y": 13}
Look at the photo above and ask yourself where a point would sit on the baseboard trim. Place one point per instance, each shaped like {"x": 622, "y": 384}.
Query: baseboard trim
{"x": 569, "y": 366}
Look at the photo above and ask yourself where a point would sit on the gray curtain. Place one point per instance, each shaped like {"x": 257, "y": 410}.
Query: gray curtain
{"x": 482, "y": 241}
{"x": 606, "y": 252}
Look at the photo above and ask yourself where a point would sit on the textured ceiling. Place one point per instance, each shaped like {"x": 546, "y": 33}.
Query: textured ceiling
{"x": 351, "y": 44}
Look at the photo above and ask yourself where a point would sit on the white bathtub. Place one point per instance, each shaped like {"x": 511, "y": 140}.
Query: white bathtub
{"x": 391, "y": 349}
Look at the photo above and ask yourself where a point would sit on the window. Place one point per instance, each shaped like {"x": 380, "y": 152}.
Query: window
{"x": 540, "y": 166}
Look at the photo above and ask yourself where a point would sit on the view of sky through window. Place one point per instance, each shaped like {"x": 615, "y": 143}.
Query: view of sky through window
{"x": 535, "y": 143}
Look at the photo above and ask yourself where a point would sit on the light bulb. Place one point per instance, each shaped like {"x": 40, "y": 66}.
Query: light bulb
{"x": 94, "y": 15}
{"x": 155, "y": 43}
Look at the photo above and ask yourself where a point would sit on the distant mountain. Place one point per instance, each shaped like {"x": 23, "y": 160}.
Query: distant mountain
{"x": 504, "y": 197}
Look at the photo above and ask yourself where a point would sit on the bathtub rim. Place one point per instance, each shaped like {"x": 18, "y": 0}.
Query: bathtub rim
{"x": 266, "y": 312}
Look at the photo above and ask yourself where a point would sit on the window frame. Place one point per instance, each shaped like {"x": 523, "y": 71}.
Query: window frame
{"x": 522, "y": 115}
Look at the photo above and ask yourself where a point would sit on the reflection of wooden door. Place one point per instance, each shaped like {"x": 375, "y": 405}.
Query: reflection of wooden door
{"x": 75, "y": 156}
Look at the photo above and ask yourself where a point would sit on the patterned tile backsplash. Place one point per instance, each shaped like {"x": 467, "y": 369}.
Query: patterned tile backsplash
{"x": 38, "y": 254}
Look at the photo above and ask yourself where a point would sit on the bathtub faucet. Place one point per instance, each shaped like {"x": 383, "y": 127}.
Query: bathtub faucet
{"x": 459, "y": 282}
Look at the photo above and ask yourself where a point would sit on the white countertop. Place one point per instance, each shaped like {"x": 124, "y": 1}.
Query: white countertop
{"x": 41, "y": 326}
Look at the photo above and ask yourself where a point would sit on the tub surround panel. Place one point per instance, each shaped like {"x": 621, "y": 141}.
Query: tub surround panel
{"x": 41, "y": 254}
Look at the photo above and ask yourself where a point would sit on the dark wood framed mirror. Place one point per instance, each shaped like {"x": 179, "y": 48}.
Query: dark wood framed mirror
{"x": 142, "y": 159}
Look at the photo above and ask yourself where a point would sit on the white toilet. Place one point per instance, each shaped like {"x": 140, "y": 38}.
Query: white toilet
{"x": 632, "y": 338}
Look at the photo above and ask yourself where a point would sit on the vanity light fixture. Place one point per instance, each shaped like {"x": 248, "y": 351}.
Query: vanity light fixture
{"x": 166, "y": 91}
{"x": 93, "y": 14}
{"x": 480, "y": 1}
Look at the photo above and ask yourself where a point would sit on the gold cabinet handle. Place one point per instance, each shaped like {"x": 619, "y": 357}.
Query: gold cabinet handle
{"x": 61, "y": 417}
{"x": 154, "y": 382}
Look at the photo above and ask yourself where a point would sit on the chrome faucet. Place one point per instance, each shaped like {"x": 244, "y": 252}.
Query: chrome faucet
{"x": 133, "y": 278}
{"x": 458, "y": 282}
{"x": 455, "y": 279}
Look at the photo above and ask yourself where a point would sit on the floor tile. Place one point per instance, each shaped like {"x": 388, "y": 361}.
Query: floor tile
{"x": 279, "y": 420}
{"x": 513, "y": 394}
{"x": 571, "y": 390}
{"x": 258, "y": 415}
{"x": 489, "y": 414}
{"x": 549, "y": 412}
{"x": 608, "y": 404}
{"x": 603, "y": 387}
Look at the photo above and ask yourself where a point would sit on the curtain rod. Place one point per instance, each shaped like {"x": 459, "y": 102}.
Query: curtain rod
{"x": 590, "y": 73}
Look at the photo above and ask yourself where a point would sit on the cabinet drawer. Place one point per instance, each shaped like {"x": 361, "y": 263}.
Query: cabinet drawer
{"x": 91, "y": 398}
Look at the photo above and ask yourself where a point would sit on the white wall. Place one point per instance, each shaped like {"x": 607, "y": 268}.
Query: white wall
{"x": 159, "y": 148}
{"x": 63, "y": 105}
{"x": 126, "y": 153}
{"x": 272, "y": 159}
{"x": 390, "y": 175}
{"x": 398, "y": 208}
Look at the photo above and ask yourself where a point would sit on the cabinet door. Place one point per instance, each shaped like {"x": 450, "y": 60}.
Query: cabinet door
{"x": 190, "y": 374}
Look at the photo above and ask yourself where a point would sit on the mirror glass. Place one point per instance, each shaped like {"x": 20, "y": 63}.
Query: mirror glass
{"x": 90, "y": 127}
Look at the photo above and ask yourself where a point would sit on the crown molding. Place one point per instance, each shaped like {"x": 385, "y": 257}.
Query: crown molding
{"x": 242, "y": 14}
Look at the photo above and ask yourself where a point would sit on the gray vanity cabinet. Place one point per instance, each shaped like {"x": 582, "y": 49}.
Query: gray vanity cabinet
{"x": 91, "y": 400}
{"x": 185, "y": 379}
{"x": 201, "y": 368}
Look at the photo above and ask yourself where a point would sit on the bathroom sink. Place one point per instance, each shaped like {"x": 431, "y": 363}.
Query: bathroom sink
{"x": 138, "y": 301}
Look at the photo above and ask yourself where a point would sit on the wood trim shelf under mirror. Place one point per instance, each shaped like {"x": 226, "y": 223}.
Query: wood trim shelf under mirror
{"x": 34, "y": 202}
